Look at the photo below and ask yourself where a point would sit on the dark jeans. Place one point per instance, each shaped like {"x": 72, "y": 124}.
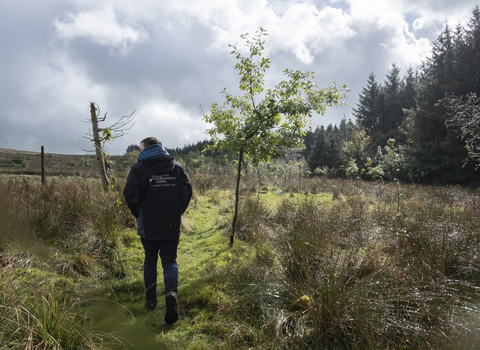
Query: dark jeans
{"x": 167, "y": 250}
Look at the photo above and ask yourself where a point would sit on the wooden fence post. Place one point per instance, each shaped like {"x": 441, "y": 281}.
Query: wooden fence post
{"x": 43, "y": 166}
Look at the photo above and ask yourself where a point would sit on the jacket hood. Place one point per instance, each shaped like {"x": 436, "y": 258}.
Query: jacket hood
{"x": 161, "y": 164}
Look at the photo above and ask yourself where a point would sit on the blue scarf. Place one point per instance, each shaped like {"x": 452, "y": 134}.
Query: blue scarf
{"x": 153, "y": 151}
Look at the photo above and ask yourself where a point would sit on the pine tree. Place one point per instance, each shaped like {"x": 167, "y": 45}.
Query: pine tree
{"x": 308, "y": 141}
{"x": 333, "y": 146}
{"x": 409, "y": 90}
{"x": 472, "y": 40}
{"x": 392, "y": 116}
{"x": 318, "y": 152}
{"x": 434, "y": 150}
{"x": 463, "y": 68}
{"x": 367, "y": 113}
{"x": 345, "y": 130}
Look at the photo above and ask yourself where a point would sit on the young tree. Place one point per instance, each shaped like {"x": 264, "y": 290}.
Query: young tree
{"x": 259, "y": 124}
{"x": 391, "y": 161}
{"x": 355, "y": 154}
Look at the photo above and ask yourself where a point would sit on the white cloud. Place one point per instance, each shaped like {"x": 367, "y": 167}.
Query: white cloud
{"x": 102, "y": 27}
{"x": 305, "y": 30}
{"x": 434, "y": 13}
{"x": 388, "y": 20}
{"x": 170, "y": 122}
{"x": 299, "y": 28}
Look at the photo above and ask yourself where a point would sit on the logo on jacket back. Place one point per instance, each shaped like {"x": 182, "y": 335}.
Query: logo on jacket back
{"x": 162, "y": 180}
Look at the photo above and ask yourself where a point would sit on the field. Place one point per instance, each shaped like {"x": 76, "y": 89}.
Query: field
{"x": 318, "y": 264}
{"x": 29, "y": 163}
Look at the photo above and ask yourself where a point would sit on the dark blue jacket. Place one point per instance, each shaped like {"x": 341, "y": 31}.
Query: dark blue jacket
{"x": 157, "y": 193}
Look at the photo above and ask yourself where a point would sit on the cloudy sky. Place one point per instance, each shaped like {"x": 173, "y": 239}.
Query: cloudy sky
{"x": 165, "y": 59}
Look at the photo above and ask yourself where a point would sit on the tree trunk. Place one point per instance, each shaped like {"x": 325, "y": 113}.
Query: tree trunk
{"x": 259, "y": 181}
{"x": 239, "y": 174}
{"x": 98, "y": 148}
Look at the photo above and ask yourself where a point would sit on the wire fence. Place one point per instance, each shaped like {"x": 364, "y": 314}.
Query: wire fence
{"x": 24, "y": 160}
{"x": 47, "y": 149}
{"x": 30, "y": 163}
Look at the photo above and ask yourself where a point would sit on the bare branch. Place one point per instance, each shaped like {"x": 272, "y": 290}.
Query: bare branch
{"x": 125, "y": 123}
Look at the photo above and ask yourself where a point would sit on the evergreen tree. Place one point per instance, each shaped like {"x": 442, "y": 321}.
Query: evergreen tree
{"x": 367, "y": 113}
{"x": 345, "y": 130}
{"x": 392, "y": 116}
{"x": 463, "y": 69}
{"x": 434, "y": 151}
{"x": 408, "y": 92}
{"x": 199, "y": 146}
{"x": 327, "y": 148}
{"x": 333, "y": 146}
{"x": 318, "y": 153}
{"x": 308, "y": 141}
{"x": 473, "y": 51}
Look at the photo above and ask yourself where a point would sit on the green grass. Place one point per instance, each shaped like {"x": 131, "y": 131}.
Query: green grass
{"x": 339, "y": 264}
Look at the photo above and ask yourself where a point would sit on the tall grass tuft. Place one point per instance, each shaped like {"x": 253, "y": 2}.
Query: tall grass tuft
{"x": 77, "y": 217}
{"x": 45, "y": 320}
{"x": 251, "y": 219}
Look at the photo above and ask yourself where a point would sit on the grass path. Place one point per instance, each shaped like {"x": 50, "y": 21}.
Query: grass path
{"x": 202, "y": 248}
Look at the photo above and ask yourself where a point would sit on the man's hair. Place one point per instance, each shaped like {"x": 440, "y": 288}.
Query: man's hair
{"x": 150, "y": 141}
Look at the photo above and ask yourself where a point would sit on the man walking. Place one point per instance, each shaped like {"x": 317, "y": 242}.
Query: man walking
{"x": 158, "y": 191}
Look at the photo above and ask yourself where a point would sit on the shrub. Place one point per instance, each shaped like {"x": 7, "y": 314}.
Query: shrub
{"x": 20, "y": 159}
